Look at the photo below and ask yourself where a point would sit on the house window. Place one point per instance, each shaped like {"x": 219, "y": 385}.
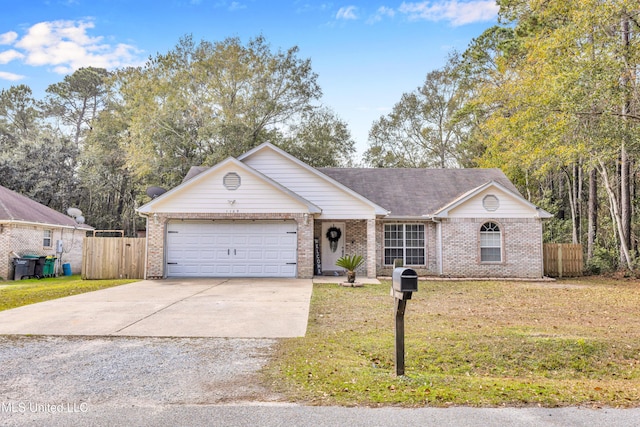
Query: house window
{"x": 490, "y": 242}
{"x": 405, "y": 242}
{"x": 46, "y": 239}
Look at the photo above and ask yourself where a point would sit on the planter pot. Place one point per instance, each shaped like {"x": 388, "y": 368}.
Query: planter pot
{"x": 351, "y": 276}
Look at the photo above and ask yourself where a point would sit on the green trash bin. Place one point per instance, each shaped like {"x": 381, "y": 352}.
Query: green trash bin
{"x": 49, "y": 267}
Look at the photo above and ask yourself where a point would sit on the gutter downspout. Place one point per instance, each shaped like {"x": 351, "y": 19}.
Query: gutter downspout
{"x": 438, "y": 241}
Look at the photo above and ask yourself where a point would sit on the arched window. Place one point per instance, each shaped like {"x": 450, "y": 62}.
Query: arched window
{"x": 490, "y": 243}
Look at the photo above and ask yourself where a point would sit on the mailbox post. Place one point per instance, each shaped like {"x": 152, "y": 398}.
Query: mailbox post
{"x": 405, "y": 282}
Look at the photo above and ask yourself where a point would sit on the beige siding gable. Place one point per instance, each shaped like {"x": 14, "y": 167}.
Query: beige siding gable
{"x": 208, "y": 194}
{"x": 335, "y": 202}
{"x": 499, "y": 204}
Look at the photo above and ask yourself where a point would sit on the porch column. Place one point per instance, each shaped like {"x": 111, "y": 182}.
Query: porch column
{"x": 371, "y": 248}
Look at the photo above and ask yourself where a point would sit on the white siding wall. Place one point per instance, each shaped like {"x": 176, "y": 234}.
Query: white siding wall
{"x": 334, "y": 202}
{"x": 208, "y": 195}
{"x": 509, "y": 207}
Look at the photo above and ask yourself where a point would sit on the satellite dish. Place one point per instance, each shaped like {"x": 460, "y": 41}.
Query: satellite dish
{"x": 154, "y": 192}
{"x": 80, "y": 219}
{"x": 74, "y": 212}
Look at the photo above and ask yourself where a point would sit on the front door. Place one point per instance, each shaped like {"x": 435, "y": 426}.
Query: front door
{"x": 332, "y": 245}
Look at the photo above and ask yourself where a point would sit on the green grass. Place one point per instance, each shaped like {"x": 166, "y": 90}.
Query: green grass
{"x": 23, "y": 292}
{"x": 570, "y": 342}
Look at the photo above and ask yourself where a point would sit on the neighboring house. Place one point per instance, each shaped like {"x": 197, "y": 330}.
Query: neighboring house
{"x": 30, "y": 228}
{"x": 268, "y": 214}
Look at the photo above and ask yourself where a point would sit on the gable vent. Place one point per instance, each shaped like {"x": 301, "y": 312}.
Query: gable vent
{"x": 491, "y": 203}
{"x": 231, "y": 181}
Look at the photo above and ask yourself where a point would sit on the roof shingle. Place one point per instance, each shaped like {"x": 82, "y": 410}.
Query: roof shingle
{"x": 415, "y": 192}
{"x": 16, "y": 207}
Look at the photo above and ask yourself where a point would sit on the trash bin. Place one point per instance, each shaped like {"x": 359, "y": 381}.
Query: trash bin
{"x": 38, "y": 270}
{"x": 49, "y": 266}
{"x": 66, "y": 269}
{"x": 23, "y": 268}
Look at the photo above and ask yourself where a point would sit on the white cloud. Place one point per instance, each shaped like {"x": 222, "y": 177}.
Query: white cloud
{"x": 454, "y": 11}
{"x": 382, "y": 12}
{"x": 8, "y": 38}
{"x": 10, "y": 76}
{"x": 67, "y": 46}
{"x": 9, "y": 55}
{"x": 347, "y": 13}
{"x": 236, "y": 6}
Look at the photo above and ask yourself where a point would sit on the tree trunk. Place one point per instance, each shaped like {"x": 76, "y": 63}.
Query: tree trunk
{"x": 592, "y": 212}
{"x": 615, "y": 213}
{"x": 571, "y": 187}
{"x": 625, "y": 187}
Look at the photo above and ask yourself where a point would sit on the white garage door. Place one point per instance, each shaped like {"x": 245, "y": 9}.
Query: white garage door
{"x": 231, "y": 249}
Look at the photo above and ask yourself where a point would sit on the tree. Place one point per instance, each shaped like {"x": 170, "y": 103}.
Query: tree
{"x": 421, "y": 130}
{"x": 78, "y": 99}
{"x": 110, "y": 191}
{"x": 558, "y": 107}
{"x": 321, "y": 139}
{"x": 19, "y": 115}
{"x": 200, "y": 103}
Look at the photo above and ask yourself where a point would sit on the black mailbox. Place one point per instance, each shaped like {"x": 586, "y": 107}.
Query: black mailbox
{"x": 405, "y": 280}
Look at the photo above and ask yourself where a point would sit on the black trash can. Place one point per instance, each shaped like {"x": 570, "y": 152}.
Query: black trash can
{"x": 38, "y": 270}
{"x": 23, "y": 268}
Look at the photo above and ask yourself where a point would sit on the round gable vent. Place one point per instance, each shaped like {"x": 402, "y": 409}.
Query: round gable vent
{"x": 231, "y": 181}
{"x": 490, "y": 203}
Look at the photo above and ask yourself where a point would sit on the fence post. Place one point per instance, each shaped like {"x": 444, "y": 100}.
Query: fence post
{"x": 560, "y": 261}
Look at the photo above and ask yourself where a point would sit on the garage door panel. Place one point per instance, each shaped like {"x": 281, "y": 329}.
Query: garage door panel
{"x": 255, "y": 249}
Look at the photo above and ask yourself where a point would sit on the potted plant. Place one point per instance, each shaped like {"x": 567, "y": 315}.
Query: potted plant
{"x": 350, "y": 263}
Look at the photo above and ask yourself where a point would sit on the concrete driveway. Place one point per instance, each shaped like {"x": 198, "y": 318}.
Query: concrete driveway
{"x": 233, "y": 308}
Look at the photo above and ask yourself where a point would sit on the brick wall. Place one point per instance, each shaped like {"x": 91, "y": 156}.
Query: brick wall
{"x": 156, "y": 237}
{"x": 28, "y": 240}
{"x": 521, "y": 248}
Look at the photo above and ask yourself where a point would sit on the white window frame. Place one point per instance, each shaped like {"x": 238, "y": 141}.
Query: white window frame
{"x": 401, "y": 228}
{"x": 490, "y": 240}
{"x": 47, "y": 238}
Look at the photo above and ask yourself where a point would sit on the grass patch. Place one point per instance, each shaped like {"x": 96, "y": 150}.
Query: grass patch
{"x": 23, "y": 292}
{"x": 564, "y": 343}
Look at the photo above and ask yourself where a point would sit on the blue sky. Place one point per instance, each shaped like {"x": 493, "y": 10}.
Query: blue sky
{"x": 366, "y": 53}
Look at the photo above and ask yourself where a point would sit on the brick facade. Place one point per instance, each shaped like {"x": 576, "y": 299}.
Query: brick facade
{"x": 156, "y": 225}
{"x": 24, "y": 239}
{"x": 521, "y": 248}
{"x": 521, "y": 245}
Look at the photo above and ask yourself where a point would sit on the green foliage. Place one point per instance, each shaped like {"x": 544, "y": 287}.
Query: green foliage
{"x": 604, "y": 260}
{"x": 202, "y": 102}
{"x": 350, "y": 262}
{"x": 320, "y": 139}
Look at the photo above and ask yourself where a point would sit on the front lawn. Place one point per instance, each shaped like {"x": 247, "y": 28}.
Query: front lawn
{"x": 570, "y": 342}
{"x": 16, "y": 293}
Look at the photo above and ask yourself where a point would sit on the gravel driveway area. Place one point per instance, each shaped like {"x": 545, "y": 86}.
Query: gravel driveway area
{"x": 78, "y": 372}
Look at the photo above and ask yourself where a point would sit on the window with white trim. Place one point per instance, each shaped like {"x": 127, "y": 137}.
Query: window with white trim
{"x": 46, "y": 238}
{"x": 490, "y": 242}
{"x": 405, "y": 242}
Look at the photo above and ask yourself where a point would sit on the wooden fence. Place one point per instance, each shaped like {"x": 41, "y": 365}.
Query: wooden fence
{"x": 562, "y": 260}
{"x": 113, "y": 258}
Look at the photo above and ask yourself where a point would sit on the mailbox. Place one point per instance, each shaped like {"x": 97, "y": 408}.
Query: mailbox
{"x": 405, "y": 280}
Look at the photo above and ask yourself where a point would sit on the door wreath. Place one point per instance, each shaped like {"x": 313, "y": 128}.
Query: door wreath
{"x": 333, "y": 235}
